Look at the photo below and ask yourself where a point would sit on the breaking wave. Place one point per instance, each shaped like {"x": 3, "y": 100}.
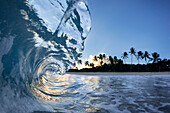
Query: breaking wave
{"x": 39, "y": 41}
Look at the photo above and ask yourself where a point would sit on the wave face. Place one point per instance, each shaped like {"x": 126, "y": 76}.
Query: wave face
{"x": 39, "y": 41}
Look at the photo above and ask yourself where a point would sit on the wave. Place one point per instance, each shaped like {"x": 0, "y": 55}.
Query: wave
{"x": 39, "y": 41}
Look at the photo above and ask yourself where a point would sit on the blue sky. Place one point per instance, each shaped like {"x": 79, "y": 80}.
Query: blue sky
{"x": 118, "y": 25}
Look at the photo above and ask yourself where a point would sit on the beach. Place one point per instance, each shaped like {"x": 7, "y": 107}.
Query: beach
{"x": 119, "y": 73}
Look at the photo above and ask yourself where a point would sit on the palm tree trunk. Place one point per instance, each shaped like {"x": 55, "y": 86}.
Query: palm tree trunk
{"x": 146, "y": 61}
{"x": 138, "y": 65}
{"x": 131, "y": 59}
{"x": 131, "y": 63}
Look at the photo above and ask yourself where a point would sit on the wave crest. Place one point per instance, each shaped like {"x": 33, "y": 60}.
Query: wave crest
{"x": 40, "y": 40}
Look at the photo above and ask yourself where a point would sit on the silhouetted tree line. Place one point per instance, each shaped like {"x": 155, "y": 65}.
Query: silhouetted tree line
{"x": 153, "y": 63}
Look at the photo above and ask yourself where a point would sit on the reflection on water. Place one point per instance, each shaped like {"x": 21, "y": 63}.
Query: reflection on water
{"x": 78, "y": 93}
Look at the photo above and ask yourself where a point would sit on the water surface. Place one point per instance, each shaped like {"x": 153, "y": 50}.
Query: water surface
{"x": 111, "y": 94}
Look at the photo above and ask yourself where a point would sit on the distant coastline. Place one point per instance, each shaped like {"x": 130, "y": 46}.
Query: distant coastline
{"x": 106, "y": 63}
{"x": 119, "y": 73}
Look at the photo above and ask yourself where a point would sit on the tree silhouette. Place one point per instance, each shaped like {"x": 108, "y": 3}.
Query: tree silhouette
{"x": 116, "y": 65}
{"x": 101, "y": 59}
{"x": 104, "y": 56}
{"x": 79, "y": 61}
{"x": 155, "y": 56}
{"x": 139, "y": 56}
{"x": 111, "y": 59}
{"x": 132, "y": 52}
{"x": 115, "y": 60}
{"x": 146, "y": 56}
{"x": 125, "y": 56}
{"x": 86, "y": 63}
{"x": 95, "y": 58}
{"x": 91, "y": 65}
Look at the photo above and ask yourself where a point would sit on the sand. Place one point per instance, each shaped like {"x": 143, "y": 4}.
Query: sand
{"x": 119, "y": 73}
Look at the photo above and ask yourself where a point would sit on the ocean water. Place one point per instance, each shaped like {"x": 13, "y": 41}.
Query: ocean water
{"x": 108, "y": 93}
{"x": 39, "y": 41}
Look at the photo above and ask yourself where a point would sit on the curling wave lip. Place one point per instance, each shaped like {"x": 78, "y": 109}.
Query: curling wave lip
{"x": 40, "y": 40}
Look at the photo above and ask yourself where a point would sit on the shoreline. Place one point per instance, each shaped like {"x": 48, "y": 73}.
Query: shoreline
{"x": 119, "y": 73}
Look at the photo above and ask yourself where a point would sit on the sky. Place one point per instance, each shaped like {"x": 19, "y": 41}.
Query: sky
{"x": 118, "y": 25}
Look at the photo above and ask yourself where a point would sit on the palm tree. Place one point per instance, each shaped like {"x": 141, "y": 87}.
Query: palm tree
{"x": 155, "y": 56}
{"x": 146, "y": 56}
{"x": 95, "y": 58}
{"x": 86, "y": 63}
{"x": 79, "y": 61}
{"x": 91, "y": 64}
{"x": 115, "y": 59}
{"x": 101, "y": 59}
{"x": 104, "y": 56}
{"x": 125, "y": 56}
{"x": 111, "y": 59}
{"x": 132, "y": 52}
{"x": 139, "y": 56}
